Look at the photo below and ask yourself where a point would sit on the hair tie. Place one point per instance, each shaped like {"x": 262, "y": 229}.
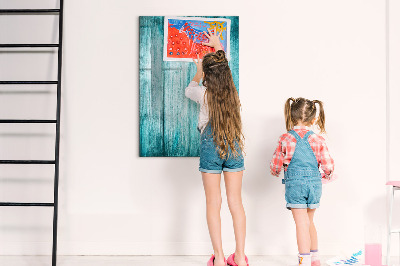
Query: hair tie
{"x": 218, "y": 64}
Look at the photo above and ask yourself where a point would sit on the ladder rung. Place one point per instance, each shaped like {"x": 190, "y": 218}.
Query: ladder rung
{"x": 5, "y": 11}
{"x": 26, "y": 121}
{"x": 27, "y": 161}
{"x": 395, "y": 231}
{"x": 29, "y": 82}
{"x": 35, "y": 45}
{"x": 30, "y": 204}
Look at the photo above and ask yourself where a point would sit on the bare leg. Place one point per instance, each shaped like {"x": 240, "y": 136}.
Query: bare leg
{"x": 313, "y": 230}
{"x": 233, "y": 183}
{"x": 212, "y": 188}
{"x": 302, "y": 221}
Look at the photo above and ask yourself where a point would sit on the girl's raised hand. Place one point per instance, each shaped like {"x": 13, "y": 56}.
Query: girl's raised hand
{"x": 213, "y": 39}
{"x": 199, "y": 73}
{"x": 198, "y": 64}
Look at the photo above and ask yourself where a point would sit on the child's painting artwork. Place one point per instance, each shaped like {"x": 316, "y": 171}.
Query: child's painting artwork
{"x": 183, "y": 37}
{"x": 168, "y": 120}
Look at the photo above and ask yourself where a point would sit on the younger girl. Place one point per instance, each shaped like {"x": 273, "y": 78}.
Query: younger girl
{"x": 302, "y": 152}
{"x": 221, "y": 147}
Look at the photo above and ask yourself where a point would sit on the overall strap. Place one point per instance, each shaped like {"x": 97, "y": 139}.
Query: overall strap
{"x": 303, "y": 164}
{"x": 309, "y": 133}
{"x": 294, "y": 133}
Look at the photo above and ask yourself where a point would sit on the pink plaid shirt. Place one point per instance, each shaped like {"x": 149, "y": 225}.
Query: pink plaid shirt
{"x": 287, "y": 144}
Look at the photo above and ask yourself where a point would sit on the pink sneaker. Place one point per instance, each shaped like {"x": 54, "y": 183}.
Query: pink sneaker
{"x": 211, "y": 261}
{"x": 231, "y": 260}
{"x": 316, "y": 263}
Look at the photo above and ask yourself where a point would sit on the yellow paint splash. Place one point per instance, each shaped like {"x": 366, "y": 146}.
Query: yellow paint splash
{"x": 219, "y": 26}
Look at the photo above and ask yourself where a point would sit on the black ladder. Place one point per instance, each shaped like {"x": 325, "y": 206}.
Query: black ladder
{"x": 57, "y": 82}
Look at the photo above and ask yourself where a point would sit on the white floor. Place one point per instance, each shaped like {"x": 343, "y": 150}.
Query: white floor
{"x": 143, "y": 260}
{"x": 136, "y": 260}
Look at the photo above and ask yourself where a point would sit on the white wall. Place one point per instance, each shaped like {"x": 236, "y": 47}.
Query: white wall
{"x": 393, "y": 109}
{"x": 113, "y": 202}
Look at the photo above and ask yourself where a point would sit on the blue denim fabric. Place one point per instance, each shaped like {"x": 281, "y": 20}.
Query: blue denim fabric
{"x": 210, "y": 160}
{"x": 303, "y": 187}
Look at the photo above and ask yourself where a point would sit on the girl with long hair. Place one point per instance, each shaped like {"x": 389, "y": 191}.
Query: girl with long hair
{"x": 221, "y": 147}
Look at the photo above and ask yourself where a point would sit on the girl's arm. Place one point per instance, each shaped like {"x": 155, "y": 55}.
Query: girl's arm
{"x": 327, "y": 163}
{"x": 199, "y": 73}
{"x": 277, "y": 159}
{"x": 194, "y": 91}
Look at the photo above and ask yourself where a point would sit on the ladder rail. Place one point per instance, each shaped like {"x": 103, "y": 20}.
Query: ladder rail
{"x": 2, "y": 82}
{"x": 27, "y": 161}
{"x": 57, "y": 144}
{"x": 29, "y": 11}
{"x": 31, "y": 45}
{"x": 27, "y": 121}
{"x": 28, "y": 204}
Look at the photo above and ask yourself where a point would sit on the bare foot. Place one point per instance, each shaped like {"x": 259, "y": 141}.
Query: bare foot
{"x": 240, "y": 260}
{"x": 219, "y": 261}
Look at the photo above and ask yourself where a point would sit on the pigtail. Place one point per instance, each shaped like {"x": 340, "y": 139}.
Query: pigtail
{"x": 321, "y": 116}
{"x": 288, "y": 114}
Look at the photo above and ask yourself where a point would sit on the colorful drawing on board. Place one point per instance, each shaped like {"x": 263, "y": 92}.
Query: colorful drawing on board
{"x": 183, "y": 37}
{"x": 167, "y": 118}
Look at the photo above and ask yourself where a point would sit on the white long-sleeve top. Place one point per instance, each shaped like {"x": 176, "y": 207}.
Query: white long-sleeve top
{"x": 196, "y": 93}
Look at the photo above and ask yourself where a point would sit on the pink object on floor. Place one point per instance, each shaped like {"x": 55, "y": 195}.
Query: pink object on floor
{"x": 393, "y": 183}
{"x": 211, "y": 260}
{"x": 231, "y": 260}
{"x": 316, "y": 263}
{"x": 373, "y": 254}
{"x": 333, "y": 178}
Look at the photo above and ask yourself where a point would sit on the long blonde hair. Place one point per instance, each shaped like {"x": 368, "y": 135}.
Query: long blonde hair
{"x": 223, "y": 104}
{"x": 303, "y": 110}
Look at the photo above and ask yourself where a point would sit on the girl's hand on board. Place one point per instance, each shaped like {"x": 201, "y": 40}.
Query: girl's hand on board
{"x": 213, "y": 39}
{"x": 199, "y": 73}
{"x": 198, "y": 64}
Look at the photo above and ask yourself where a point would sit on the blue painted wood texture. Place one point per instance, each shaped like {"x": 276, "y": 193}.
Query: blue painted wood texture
{"x": 168, "y": 120}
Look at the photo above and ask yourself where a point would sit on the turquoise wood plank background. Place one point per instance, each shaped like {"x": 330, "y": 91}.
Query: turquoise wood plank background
{"x": 168, "y": 120}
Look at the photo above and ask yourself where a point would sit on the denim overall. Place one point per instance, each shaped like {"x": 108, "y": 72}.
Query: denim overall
{"x": 302, "y": 181}
{"x": 211, "y": 162}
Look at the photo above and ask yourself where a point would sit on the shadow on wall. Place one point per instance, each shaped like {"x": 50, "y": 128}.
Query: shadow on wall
{"x": 375, "y": 218}
{"x": 375, "y": 213}
{"x": 186, "y": 210}
{"x": 263, "y": 193}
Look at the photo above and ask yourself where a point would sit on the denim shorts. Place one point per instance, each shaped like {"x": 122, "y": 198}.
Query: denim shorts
{"x": 303, "y": 193}
{"x": 210, "y": 160}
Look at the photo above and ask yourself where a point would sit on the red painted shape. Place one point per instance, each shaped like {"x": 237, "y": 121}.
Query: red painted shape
{"x": 180, "y": 46}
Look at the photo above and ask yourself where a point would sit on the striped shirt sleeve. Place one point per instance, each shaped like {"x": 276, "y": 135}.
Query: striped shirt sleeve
{"x": 278, "y": 157}
{"x": 326, "y": 162}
